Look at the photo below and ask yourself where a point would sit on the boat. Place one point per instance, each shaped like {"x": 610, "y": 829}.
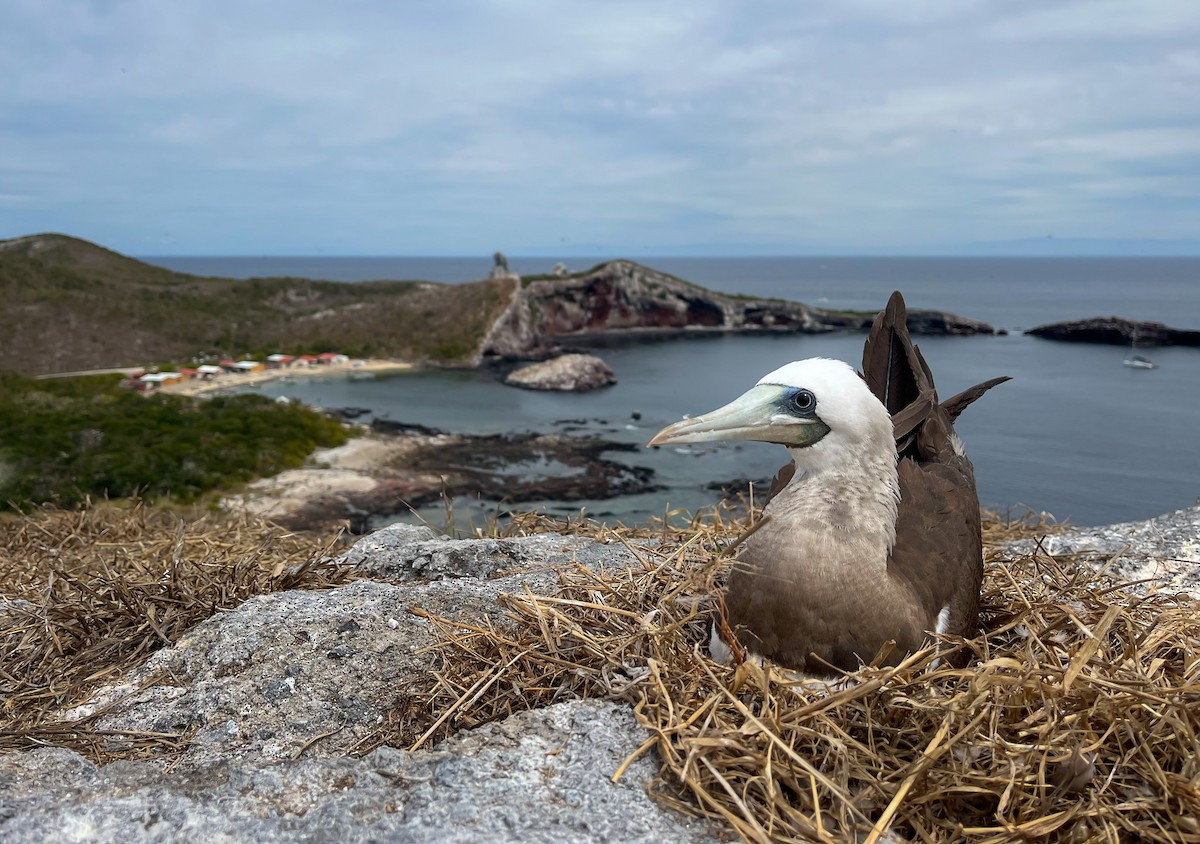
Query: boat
{"x": 1139, "y": 362}
{"x": 1136, "y": 361}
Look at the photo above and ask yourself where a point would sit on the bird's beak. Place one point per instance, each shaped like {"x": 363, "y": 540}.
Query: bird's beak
{"x": 756, "y": 415}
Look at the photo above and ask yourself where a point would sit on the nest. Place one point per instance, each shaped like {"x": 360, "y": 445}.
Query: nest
{"x": 88, "y": 594}
{"x": 1077, "y": 718}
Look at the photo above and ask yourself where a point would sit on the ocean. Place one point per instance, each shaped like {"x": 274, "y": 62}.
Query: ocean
{"x": 1075, "y": 434}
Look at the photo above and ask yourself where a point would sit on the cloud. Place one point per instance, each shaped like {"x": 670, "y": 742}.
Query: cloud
{"x": 373, "y": 127}
{"x": 1108, "y": 19}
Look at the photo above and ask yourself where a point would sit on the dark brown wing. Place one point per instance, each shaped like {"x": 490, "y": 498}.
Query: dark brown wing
{"x": 898, "y": 375}
{"x": 938, "y": 551}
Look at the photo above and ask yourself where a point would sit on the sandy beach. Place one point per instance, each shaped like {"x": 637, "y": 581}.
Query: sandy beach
{"x": 197, "y": 386}
{"x": 329, "y": 473}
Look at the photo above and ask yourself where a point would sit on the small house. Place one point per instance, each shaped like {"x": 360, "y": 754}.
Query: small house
{"x": 154, "y": 380}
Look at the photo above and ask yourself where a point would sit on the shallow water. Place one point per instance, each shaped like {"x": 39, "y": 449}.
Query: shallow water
{"x": 1075, "y": 433}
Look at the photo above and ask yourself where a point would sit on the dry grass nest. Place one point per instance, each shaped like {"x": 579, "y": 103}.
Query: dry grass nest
{"x": 87, "y": 594}
{"x": 1076, "y": 718}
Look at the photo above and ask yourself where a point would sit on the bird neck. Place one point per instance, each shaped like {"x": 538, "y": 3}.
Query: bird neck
{"x": 852, "y": 498}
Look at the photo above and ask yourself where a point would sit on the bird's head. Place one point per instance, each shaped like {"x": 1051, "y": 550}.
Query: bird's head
{"x": 819, "y": 408}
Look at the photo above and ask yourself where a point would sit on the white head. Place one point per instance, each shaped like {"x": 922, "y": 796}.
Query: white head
{"x": 819, "y": 408}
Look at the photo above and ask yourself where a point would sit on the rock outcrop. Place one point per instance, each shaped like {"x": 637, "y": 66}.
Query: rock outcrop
{"x": 1117, "y": 331}
{"x": 409, "y": 465}
{"x": 275, "y": 694}
{"x": 571, "y": 373}
{"x": 278, "y": 690}
{"x": 1163, "y": 551}
{"x": 625, "y": 296}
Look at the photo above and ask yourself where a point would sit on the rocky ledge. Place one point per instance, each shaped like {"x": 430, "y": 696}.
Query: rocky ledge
{"x": 1116, "y": 331}
{"x": 624, "y": 296}
{"x": 277, "y": 693}
{"x": 575, "y": 373}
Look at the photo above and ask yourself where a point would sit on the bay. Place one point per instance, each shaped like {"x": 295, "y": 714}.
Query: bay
{"x": 1075, "y": 433}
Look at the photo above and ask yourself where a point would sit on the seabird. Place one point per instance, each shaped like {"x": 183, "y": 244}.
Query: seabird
{"x": 873, "y": 536}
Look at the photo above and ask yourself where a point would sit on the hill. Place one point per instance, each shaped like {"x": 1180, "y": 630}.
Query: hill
{"x": 70, "y": 304}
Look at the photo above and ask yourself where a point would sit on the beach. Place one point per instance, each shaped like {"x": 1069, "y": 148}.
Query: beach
{"x": 198, "y": 386}
{"x": 331, "y": 475}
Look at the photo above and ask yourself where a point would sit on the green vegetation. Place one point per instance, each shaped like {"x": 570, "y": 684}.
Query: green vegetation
{"x": 66, "y": 440}
{"x": 72, "y": 305}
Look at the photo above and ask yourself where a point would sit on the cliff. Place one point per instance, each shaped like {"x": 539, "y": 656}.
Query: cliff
{"x": 625, "y": 296}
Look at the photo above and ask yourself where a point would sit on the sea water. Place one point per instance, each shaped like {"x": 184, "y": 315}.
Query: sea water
{"x": 1075, "y": 433}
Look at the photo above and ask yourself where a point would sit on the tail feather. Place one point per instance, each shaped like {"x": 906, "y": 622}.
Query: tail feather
{"x": 896, "y": 372}
{"x": 898, "y": 375}
{"x": 891, "y": 364}
{"x": 955, "y": 405}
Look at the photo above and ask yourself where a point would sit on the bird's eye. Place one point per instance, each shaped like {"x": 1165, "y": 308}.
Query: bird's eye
{"x": 802, "y": 401}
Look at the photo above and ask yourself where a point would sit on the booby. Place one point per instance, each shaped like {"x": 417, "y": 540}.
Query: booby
{"x": 874, "y": 535}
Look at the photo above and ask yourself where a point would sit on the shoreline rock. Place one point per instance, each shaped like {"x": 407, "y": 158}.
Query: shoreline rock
{"x": 382, "y": 474}
{"x": 1116, "y": 331}
{"x": 569, "y": 373}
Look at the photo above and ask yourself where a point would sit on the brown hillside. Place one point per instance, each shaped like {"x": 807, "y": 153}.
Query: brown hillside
{"x": 69, "y": 304}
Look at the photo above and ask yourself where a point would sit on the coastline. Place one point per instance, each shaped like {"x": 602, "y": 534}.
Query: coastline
{"x": 329, "y": 474}
{"x": 374, "y": 366}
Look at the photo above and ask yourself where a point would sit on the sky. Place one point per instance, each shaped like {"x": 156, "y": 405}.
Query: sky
{"x": 600, "y": 127}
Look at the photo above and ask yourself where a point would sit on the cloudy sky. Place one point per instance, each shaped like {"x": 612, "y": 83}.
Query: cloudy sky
{"x": 597, "y": 127}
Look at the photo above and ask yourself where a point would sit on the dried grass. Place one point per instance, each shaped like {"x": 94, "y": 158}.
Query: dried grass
{"x": 1077, "y": 719}
{"x": 87, "y": 594}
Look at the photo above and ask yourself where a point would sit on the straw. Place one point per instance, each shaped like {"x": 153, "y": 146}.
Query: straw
{"x": 1077, "y": 719}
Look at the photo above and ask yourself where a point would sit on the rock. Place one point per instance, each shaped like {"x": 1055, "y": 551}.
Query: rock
{"x": 278, "y": 689}
{"x": 578, "y": 373}
{"x": 406, "y": 552}
{"x": 1164, "y": 550}
{"x": 1116, "y": 331}
{"x": 542, "y": 776}
{"x": 381, "y": 475}
{"x": 500, "y": 267}
{"x": 267, "y": 677}
{"x": 926, "y": 322}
